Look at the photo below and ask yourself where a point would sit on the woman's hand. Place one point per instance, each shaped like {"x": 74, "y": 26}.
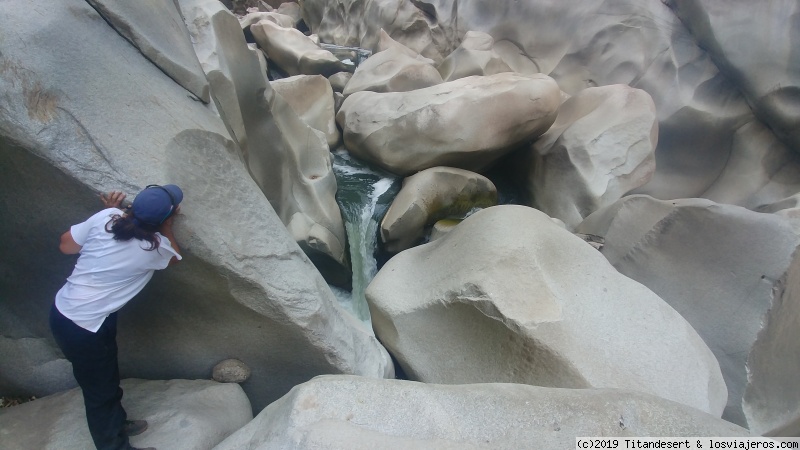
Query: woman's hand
{"x": 113, "y": 199}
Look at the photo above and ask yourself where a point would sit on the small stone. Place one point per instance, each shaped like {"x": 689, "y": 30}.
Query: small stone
{"x": 231, "y": 371}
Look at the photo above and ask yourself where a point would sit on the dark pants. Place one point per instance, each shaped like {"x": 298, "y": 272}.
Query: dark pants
{"x": 94, "y": 364}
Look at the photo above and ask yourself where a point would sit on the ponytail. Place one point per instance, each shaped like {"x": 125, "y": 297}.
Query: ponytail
{"x": 128, "y": 227}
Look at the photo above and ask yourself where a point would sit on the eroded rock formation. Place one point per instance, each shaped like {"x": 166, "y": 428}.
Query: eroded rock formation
{"x": 509, "y": 296}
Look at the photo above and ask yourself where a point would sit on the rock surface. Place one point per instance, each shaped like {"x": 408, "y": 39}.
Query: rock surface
{"x": 467, "y": 123}
{"x": 231, "y": 371}
{"x": 428, "y": 196}
{"x": 181, "y": 415}
{"x": 294, "y": 52}
{"x": 251, "y": 19}
{"x": 156, "y": 28}
{"x": 474, "y": 56}
{"x": 311, "y": 97}
{"x": 244, "y": 287}
{"x": 341, "y": 412}
{"x": 393, "y": 69}
{"x": 699, "y": 102}
{"x": 600, "y": 148}
{"x": 509, "y": 296}
{"x": 762, "y": 63}
{"x": 288, "y": 159}
{"x": 719, "y": 266}
{"x": 771, "y": 405}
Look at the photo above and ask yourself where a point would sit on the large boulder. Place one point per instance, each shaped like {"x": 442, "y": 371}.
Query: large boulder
{"x": 346, "y": 412}
{"x": 467, "y": 123}
{"x": 156, "y": 28}
{"x": 395, "y": 68}
{"x": 311, "y": 97}
{"x": 600, "y": 148}
{"x": 180, "y": 414}
{"x": 288, "y": 159}
{"x": 700, "y": 105}
{"x": 293, "y": 51}
{"x": 509, "y": 296}
{"x": 431, "y": 195}
{"x": 475, "y": 56}
{"x": 244, "y": 289}
{"x": 720, "y": 266}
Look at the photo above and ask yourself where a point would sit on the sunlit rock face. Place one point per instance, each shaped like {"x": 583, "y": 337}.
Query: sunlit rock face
{"x": 287, "y": 158}
{"x": 75, "y": 122}
{"x": 467, "y": 123}
{"x": 509, "y": 296}
{"x": 311, "y": 97}
{"x": 701, "y": 109}
{"x": 729, "y": 272}
{"x": 294, "y": 52}
{"x": 430, "y": 195}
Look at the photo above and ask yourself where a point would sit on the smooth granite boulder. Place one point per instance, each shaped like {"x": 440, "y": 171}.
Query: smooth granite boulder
{"x": 353, "y": 413}
{"x": 467, "y": 123}
{"x": 288, "y": 159}
{"x": 600, "y": 148}
{"x": 294, "y": 52}
{"x": 700, "y": 105}
{"x": 156, "y": 28}
{"x": 311, "y": 97}
{"x": 394, "y": 68}
{"x": 180, "y": 414}
{"x": 428, "y": 196}
{"x": 508, "y": 296}
{"x": 244, "y": 289}
{"x": 475, "y": 56}
{"x": 721, "y": 267}
{"x": 339, "y": 80}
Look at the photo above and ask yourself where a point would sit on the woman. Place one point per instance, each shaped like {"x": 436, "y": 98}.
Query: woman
{"x": 119, "y": 251}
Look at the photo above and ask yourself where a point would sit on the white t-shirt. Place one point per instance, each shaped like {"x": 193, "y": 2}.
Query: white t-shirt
{"x": 108, "y": 273}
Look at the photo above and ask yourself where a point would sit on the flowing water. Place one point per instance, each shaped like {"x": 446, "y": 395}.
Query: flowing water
{"x": 364, "y": 195}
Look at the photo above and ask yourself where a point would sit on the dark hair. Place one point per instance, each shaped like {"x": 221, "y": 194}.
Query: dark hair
{"x": 127, "y": 227}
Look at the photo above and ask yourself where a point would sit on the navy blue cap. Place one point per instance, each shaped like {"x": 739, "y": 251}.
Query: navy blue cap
{"x": 155, "y": 203}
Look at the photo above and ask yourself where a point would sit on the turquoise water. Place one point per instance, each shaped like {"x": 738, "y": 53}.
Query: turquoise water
{"x": 364, "y": 194}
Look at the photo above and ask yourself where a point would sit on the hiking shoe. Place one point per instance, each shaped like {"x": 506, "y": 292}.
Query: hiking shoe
{"x": 134, "y": 427}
